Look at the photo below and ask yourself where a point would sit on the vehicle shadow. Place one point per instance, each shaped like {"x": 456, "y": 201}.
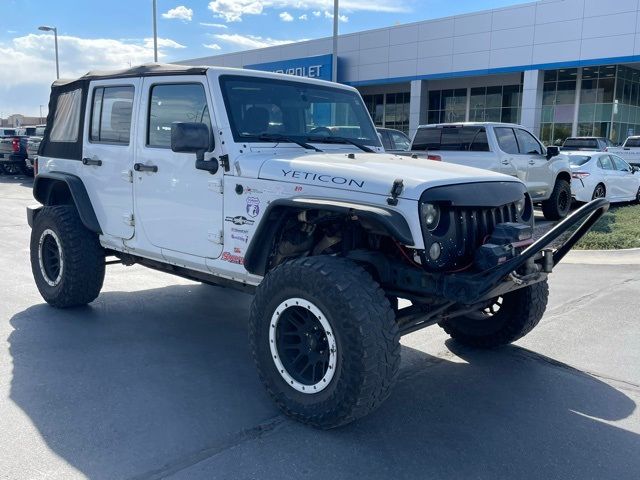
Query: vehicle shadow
{"x": 16, "y": 179}
{"x": 140, "y": 384}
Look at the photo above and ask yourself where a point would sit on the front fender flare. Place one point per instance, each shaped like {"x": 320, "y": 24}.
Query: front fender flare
{"x": 257, "y": 255}
{"x": 43, "y": 187}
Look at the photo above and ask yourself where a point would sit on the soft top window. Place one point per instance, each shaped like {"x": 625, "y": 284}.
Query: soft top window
{"x": 66, "y": 120}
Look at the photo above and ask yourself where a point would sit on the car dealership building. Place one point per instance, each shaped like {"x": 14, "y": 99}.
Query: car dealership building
{"x": 560, "y": 67}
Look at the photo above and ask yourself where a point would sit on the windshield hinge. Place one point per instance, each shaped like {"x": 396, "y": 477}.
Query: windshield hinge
{"x": 396, "y": 191}
{"x": 216, "y": 185}
{"x": 127, "y": 175}
{"x": 224, "y": 161}
{"x": 128, "y": 219}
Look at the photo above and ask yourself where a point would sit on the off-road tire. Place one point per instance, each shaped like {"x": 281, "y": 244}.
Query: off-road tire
{"x": 559, "y": 204}
{"x": 366, "y": 337}
{"x": 10, "y": 169}
{"x": 82, "y": 256}
{"x": 520, "y": 312}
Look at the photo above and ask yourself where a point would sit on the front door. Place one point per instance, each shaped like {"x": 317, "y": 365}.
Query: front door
{"x": 531, "y": 157}
{"x": 108, "y": 153}
{"x": 178, "y": 208}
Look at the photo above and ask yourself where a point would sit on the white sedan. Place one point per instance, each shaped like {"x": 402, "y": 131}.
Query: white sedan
{"x": 603, "y": 175}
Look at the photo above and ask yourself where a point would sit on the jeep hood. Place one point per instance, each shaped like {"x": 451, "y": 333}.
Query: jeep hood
{"x": 369, "y": 172}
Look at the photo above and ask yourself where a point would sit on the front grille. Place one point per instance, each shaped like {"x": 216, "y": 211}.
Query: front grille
{"x": 473, "y": 226}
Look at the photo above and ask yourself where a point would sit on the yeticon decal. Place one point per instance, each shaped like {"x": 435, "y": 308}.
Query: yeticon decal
{"x": 239, "y": 220}
{"x": 253, "y": 206}
{"x": 231, "y": 258}
{"x": 323, "y": 178}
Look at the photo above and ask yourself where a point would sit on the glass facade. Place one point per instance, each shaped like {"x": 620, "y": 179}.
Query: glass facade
{"x": 390, "y": 110}
{"x": 495, "y": 104}
{"x": 558, "y": 105}
{"x": 447, "y": 106}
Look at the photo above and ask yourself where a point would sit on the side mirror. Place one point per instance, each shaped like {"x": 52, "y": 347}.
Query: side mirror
{"x": 194, "y": 137}
{"x": 552, "y": 151}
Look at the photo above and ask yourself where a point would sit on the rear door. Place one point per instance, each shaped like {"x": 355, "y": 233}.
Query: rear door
{"x": 108, "y": 153}
{"x": 178, "y": 207}
{"x": 508, "y": 153}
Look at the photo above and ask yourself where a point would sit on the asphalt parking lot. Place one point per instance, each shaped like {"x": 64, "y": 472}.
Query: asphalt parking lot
{"x": 155, "y": 380}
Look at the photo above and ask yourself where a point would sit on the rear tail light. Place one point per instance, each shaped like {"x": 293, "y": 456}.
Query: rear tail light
{"x": 15, "y": 144}
{"x": 580, "y": 175}
{"x": 436, "y": 158}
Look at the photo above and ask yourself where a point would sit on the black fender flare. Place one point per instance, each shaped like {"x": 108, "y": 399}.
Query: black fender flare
{"x": 43, "y": 186}
{"x": 255, "y": 260}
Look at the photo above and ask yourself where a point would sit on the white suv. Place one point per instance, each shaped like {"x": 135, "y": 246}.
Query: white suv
{"x": 279, "y": 186}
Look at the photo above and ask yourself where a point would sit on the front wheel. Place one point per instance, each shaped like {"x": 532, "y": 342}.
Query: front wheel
{"x": 504, "y": 320}
{"x": 67, "y": 260}
{"x": 558, "y": 205}
{"x": 324, "y": 340}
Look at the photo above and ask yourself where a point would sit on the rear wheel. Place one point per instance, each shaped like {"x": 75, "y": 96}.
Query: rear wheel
{"x": 67, "y": 260}
{"x": 11, "y": 169}
{"x": 559, "y": 204}
{"x": 26, "y": 171}
{"x": 324, "y": 340}
{"x": 599, "y": 192}
{"x": 504, "y": 320}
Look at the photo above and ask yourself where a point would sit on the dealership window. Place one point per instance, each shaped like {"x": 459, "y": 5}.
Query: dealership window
{"x": 390, "y": 110}
{"x": 447, "y": 106}
{"x": 111, "y": 115}
{"x": 495, "y": 104}
{"x": 558, "y": 105}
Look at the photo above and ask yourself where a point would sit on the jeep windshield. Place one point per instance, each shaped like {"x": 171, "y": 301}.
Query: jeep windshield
{"x": 264, "y": 109}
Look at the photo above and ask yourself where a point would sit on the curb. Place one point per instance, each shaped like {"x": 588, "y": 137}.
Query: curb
{"x": 630, "y": 256}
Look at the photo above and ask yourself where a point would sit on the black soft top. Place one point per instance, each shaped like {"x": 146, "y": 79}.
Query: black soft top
{"x": 146, "y": 70}
{"x": 73, "y": 150}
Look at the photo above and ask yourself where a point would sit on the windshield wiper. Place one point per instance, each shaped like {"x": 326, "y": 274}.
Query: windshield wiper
{"x": 276, "y": 137}
{"x": 332, "y": 139}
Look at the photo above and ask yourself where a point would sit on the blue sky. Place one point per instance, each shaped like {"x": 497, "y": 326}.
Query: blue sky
{"x": 114, "y": 34}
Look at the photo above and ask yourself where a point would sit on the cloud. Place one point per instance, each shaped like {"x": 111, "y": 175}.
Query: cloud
{"x": 214, "y": 25}
{"x": 179, "y": 13}
{"x": 286, "y": 17}
{"x": 342, "y": 18}
{"x": 303, "y": 17}
{"x": 27, "y": 65}
{"x": 234, "y": 10}
{"x": 212, "y": 46}
{"x": 250, "y": 41}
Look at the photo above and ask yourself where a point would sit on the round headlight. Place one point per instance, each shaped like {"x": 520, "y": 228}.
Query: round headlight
{"x": 521, "y": 205}
{"x": 430, "y": 216}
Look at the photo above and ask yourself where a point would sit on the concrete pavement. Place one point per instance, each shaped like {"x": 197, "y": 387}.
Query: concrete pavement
{"x": 155, "y": 380}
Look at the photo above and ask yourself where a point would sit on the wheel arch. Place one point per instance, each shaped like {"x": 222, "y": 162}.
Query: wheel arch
{"x": 278, "y": 211}
{"x": 564, "y": 175}
{"x": 57, "y": 188}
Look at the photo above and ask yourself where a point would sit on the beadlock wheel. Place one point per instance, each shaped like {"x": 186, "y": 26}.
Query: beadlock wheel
{"x": 50, "y": 257}
{"x": 303, "y": 345}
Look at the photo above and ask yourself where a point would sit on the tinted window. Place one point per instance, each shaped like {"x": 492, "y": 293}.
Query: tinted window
{"x": 111, "y": 114}
{"x": 577, "y": 160}
{"x": 507, "y": 140}
{"x": 620, "y": 164}
{"x": 400, "y": 141}
{"x": 460, "y": 139}
{"x": 606, "y": 163}
{"x": 632, "y": 142}
{"x": 577, "y": 143}
{"x": 527, "y": 143}
{"x": 174, "y": 103}
{"x": 386, "y": 141}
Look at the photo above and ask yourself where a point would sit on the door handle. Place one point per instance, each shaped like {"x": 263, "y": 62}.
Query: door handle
{"x": 531, "y": 162}
{"x": 505, "y": 162}
{"x": 92, "y": 161}
{"x": 141, "y": 167}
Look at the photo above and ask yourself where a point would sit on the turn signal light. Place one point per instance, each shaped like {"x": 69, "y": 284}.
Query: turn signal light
{"x": 580, "y": 175}
{"x": 436, "y": 158}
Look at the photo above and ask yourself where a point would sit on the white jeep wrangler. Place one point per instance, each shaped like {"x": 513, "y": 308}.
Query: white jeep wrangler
{"x": 279, "y": 185}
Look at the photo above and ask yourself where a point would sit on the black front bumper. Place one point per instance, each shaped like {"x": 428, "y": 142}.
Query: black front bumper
{"x": 531, "y": 266}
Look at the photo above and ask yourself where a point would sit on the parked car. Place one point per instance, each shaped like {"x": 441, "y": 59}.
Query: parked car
{"x": 4, "y": 131}
{"x": 630, "y": 150}
{"x": 33, "y": 145}
{"x": 505, "y": 148}
{"x": 225, "y": 176}
{"x": 394, "y": 140}
{"x": 13, "y": 153}
{"x": 603, "y": 175}
{"x": 596, "y": 144}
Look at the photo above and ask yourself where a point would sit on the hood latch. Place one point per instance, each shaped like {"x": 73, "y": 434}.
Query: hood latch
{"x": 396, "y": 190}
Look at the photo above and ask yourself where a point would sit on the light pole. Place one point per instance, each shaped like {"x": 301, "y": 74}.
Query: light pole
{"x": 44, "y": 28}
{"x": 155, "y": 33}
{"x": 334, "y": 60}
